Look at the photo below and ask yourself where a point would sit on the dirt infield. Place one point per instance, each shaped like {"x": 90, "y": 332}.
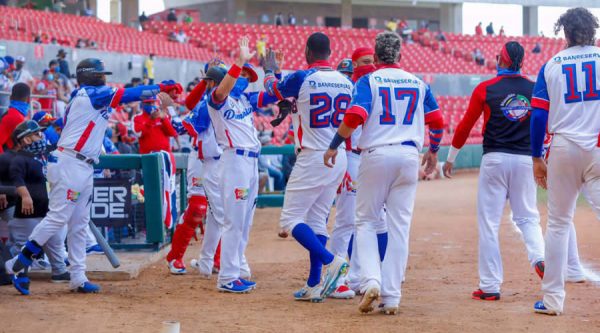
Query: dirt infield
{"x": 441, "y": 274}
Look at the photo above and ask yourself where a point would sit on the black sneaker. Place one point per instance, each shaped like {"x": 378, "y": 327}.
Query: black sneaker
{"x": 61, "y": 278}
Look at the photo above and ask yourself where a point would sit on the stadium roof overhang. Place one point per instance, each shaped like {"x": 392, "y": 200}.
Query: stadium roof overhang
{"x": 419, "y": 3}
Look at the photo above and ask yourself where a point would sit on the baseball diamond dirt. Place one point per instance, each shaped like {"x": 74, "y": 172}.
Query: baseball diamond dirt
{"x": 441, "y": 275}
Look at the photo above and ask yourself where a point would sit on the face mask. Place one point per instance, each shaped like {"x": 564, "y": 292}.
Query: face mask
{"x": 37, "y": 147}
{"x": 148, "y": 108}
{"x": 240, "y": 85}
{"x": 50, "y": 77}
{"x": 361, "y": 71}
{"x": 19, "y": 67}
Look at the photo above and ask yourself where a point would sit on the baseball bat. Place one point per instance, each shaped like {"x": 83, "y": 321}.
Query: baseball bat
{"x": 108, "y": 251}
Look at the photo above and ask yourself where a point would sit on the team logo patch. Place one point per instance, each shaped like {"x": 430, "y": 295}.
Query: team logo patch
{"x": 196, "y": 182}
{"x": 72, "y": 195}
{"x": 378, "y": 79}
{"x": 312, "y": 84}
{"x": 241, "y": 194}
{"x": 557, "y": 59}
{"x": 516, "y": 107}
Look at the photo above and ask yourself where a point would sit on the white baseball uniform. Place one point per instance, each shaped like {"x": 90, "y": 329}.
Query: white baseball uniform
{"x": 322, "y": 95}
{"x": 233, "y": 121}
{"x": 70, "y": 171}
{"x": 567, "y": 88}
{"x": 393, "y": 105}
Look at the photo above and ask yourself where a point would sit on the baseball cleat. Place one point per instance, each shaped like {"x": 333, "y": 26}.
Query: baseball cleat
{"x": 176, "y": 267}
{"x": 310, "y": 294}
{"x": 576, "y": 279}
{"x": 235, "y": 287}
{"x": 21, "y": 283}
{"x": 388, "y": 310}
{"x": 249, "y": 283}
{"x": 88, "y": 288}
{"x": 480, "y": 295}
{"x": 367, "y": 302}
{"x": 539, "y": 307}
{"x": 338, "y": 267}
{"x": 343, "y": 292}
{"x": 539, "y": 269}
{"x": 195, "y": 264}
{"x": 95, "y": 249}
{"x": 61, "y": 278}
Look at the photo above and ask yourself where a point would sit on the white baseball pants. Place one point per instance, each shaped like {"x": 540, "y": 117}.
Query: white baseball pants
{"x": 211, "y": 179}
{"x": 239, "y": 188}
{"x": 311, "y": 190}
{"x": 387, "y": 175}
{"x": 506, "y": 176}
{"x": 71, "y": 183}
{"x": 569, "y": 169}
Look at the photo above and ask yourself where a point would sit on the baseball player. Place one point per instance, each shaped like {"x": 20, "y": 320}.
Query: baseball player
{"x": 345, "y": 67}
{"x": 70, "y": 169}
{"x": 322, "y": 96}
{"x": 232, "y": 115}
{"x": 506, "y": 169}
{"x": 393, "y": 107}
{"x": 204, "y": 175}
{"x": 566, "y": 100}
{"x": 343, "y": 230}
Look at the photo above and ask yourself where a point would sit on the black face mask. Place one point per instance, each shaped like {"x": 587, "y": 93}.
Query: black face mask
{"x": 19, "y": 67}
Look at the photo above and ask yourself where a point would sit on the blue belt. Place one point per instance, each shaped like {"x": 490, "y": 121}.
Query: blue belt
{"x": 409, "y": 143}
{"x": 249, "y": 153}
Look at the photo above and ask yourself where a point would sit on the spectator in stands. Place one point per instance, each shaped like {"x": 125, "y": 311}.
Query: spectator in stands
{"x": 37, "y": 39}
{"x": 441, "y": 36}
{"x": 4, "y": 87}
{"x": 501, "y": 33}
{"x": 58, "y": 6}
{"x": 264, "y": 18}
{"x": 153, "y": 125}
{"x": 172, "y": 17}
{"x": 490, "y": 29}
{"x": 537, "y": 48}
{"x": 149, "y": 69}
{"x": 181, "y": 37}
{"x": 261, "y": 49}
{"x": 63, "y": 64}
{"x": 188, "y": 19}
{"x": 20, "y": 74}
{"x": 54, "y": 41}
{"x": 47, "y": 87}
{"x": 80, "y": 43}
{"x": 478, "y": 57}
{"x": 143, "y": 18}
{"x": 18, "y": 110}
{"x": 392, "y": 24}
{"x": 291, "y": 19}
{"x": 90, "y": 44}
{"x": 479, "y": 30}
{"x": 279, "y": 19}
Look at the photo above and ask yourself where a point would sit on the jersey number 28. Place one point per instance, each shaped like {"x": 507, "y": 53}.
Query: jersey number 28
{"x": 400, "y": 94}
{"x": 328, "y": 110}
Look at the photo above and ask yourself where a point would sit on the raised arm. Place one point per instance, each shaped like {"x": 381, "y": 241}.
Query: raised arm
{"x": 226, "y": 85}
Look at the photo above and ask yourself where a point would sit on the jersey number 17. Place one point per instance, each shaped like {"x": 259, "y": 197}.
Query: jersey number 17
{"x": 388, "y": 117}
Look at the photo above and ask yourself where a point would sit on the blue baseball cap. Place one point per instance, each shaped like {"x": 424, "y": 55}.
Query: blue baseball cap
{"x": 345, "y": 66}
{"x": 43, "y": 118}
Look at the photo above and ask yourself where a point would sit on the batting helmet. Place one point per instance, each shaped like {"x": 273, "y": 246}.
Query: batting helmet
{"x": 345, "y": 66}
{"x": 90, "y": 72}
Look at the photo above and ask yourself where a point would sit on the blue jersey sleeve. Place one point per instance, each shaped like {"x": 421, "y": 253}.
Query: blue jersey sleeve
{"x": 199, "y": 119}
{"x": 260, "y": 100}
{"x": 289, "y": 87}
{"x": 540, "y": 98}
{"x": 102, "y": 97}
{"x": 429, "y": 102}
{"x": 361, "y": 95}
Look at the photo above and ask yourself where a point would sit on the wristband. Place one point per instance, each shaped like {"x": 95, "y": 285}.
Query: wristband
{"x": 235, "y": 71}
{"x": 336, "y": 141}
{"x": 452, "y": 153}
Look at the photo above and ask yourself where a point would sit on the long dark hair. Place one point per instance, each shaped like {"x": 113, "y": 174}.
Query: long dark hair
{"x": 579, "y": 25}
